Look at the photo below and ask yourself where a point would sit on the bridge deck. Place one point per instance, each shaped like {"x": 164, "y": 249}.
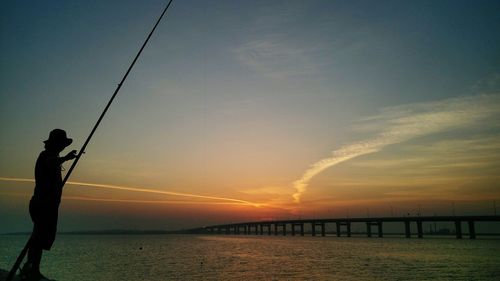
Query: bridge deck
{"x": 346, "y": 222}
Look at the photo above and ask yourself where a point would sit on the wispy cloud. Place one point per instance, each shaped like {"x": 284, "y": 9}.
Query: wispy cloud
{"x": 479, "y": 150}
{"x": 145, "y": 190}
{"x": 402, "y": 123}
{"x": 276, "y": 57}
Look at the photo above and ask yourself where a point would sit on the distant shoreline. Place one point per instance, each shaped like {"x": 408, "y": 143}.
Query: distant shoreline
{"x": 162, "y": 232}
{"x": 110, "y": 232}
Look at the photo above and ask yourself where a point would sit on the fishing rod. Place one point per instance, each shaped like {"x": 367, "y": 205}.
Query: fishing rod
{"x": 82, "y": 150}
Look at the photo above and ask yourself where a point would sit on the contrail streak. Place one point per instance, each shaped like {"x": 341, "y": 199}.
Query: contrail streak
{"x": 136, "y": 189}
{"x": 83, "y": 198}
{"x": 99, "y": 199}
{"x": 402, "y": 123}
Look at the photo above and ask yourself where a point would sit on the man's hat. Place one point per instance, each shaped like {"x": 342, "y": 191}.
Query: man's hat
{"x": 58, "y": 136}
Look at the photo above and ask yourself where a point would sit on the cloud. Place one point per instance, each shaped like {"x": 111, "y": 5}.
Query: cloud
{"x": 277, "y": 58}
{"x": 146, "y": 190}
{"x": 101, "y": 199}
{"x": 479, "y": 151}
{"x": 402, "y": 123}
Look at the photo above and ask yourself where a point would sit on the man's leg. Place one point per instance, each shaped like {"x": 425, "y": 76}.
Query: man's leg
{"x": 35, "y": 257}
{"x": 31, "y": 269}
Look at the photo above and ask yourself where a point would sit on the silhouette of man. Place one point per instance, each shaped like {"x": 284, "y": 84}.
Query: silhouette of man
{"x": 44, "y": 204}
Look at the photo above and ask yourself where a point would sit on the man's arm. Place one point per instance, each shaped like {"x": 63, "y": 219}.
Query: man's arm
{"x": 70, "y": 156}
{"x": 59, "y": 160}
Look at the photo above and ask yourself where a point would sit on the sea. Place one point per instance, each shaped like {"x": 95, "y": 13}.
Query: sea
{"x": 242, "y": 257}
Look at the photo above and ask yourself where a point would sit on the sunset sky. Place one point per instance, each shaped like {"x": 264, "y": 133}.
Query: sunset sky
{"x": 252, "y": 110}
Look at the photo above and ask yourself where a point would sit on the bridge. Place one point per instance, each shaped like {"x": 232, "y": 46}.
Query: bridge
{"x": 343, "y": 226}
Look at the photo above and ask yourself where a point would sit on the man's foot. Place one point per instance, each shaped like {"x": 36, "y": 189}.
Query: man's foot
{"x": 28, "y": 273}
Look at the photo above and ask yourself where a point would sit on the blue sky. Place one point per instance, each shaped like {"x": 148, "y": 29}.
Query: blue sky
{"x": 238, "y": 99}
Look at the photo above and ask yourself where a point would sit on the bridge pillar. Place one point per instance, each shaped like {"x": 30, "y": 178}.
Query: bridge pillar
{"x": 419, "y": 229}
{"x": 301, "y": 229}
{"x": 284, "y": 229}
{"x": 337, "y": 224}
{"x": 380, "y": 231}
{"x": 257, "y": 229}
{"x": 323, "y": 229}
{"x": 247, "y": 229}
{"x": 261, "y": 229}
{"x": 458, "y": 229}
{"x": 472, "y": 230}
{"x": 313, "y": 228}
{"x": 293, "y": 229}
{"x": 407, "y": 229}
{"x": 348, "y": 224}
{"x": 275, "y": 229}
{"x": 369, "y": 229}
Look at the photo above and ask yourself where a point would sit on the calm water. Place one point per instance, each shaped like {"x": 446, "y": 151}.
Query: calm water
{"x": 170, "y": 257}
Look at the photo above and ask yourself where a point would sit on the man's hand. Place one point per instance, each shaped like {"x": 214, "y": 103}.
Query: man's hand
{"x": 71, "y": 155}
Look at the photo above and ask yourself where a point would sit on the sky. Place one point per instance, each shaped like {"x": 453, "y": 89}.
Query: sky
{"x": 253, "y": 110}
